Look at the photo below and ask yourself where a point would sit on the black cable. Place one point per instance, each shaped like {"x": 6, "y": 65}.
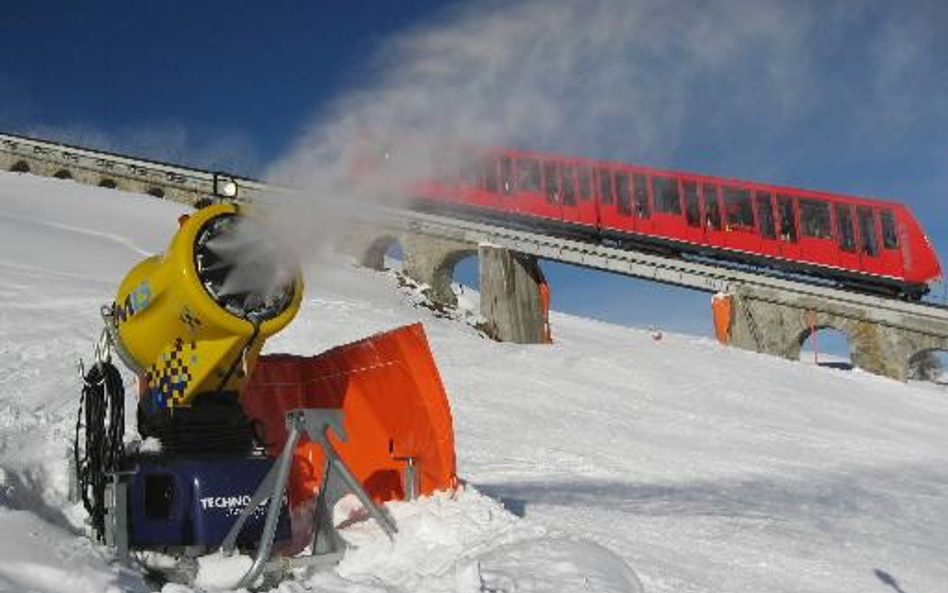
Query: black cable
{"x": 102, "y": 413}
{"x": 240, "y": 358}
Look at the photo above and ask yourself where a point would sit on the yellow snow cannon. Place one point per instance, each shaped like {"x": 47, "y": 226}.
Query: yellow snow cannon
{"x": 227, "y": 431}
{"x": 191, "y": 321}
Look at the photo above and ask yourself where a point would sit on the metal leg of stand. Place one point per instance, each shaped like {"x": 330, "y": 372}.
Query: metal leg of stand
{"x": 318, "y": 423}
{"x": 116, "y": 518}
{"x": 272, "y": 486}
{"x": 260, "y": 494}
{"x": 276, "y": 502}
{"x": 383, "y": 520}
{"x": 326, "y": 540}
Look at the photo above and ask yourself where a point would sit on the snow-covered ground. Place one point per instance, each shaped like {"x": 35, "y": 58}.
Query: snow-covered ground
{"x": 701, "y": 468}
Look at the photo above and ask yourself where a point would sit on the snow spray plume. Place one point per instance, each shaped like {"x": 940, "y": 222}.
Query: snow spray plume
{"x": 258, "y": 265}
{"x": 618, "y": 79}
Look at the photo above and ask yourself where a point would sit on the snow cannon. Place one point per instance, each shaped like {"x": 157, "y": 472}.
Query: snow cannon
{"x": 192, "y": 320}
{"x": 242, "y": 452}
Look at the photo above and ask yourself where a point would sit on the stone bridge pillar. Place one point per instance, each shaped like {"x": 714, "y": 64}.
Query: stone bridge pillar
{"x": 510, "y": 296}
{"x": 767, "y": 321}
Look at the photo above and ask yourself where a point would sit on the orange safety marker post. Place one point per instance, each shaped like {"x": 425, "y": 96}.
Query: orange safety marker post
{"x": 722, "y": 308}
{"x": 545, "y": 308}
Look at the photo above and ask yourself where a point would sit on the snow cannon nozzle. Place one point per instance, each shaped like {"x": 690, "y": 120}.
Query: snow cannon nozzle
{"x": 193, "y": 319}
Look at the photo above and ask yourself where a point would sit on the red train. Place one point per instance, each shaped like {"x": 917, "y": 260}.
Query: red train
{"x": 866, "y": 244}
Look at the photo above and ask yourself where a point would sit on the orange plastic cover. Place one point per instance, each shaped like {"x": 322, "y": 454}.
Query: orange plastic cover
{"x": 394, "y": 406}
{"x": 721, "y": 307}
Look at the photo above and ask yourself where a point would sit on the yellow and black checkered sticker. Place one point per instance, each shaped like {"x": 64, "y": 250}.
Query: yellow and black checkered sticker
{"x": 170, "y": 375}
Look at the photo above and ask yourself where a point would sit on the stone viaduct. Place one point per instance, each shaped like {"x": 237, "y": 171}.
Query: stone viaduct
{"x": 770, "y": 315}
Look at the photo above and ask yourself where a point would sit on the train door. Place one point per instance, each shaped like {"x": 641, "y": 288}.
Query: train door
{"x": 816, "y": 232}
{"x": 767, "y": 224}
{"x": 605, "y": 199}
{"x": 622, "y": 183}
{"x": 849, "y": 256}
{"x": 490, "y": 195}
{"x": 552, "y": 191}
{"x": 693, "y": 230}
{"x": 875, "y": 259}
{"x": 577, "y": 205}
{"x": 788, "y": 227}
{"x": 714, "y": 233}
{"x": 507, "y": 189}
{"x": 891, "y": 251}
{"x": 642, "y": 202}
{"x": 739, "y": 220}
{"x": 470, "y": 180}
{"x": 667, "y": 220}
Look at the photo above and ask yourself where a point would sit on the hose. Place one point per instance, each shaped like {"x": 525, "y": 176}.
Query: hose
{"x": 102, "y": 414}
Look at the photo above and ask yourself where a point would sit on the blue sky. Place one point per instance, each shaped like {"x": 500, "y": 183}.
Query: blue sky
{"x": 849, "y": 96}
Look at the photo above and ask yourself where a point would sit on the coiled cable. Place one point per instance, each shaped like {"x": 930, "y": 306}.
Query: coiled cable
{"x": 102, "y": 414}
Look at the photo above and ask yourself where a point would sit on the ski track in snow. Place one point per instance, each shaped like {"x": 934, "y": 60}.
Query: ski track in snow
{"x": 704, "y": 469}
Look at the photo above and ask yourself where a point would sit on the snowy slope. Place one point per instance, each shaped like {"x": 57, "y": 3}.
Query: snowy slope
{"x": 703, "y": 468}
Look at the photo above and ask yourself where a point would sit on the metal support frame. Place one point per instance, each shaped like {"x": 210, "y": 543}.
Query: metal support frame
{"x": 116, "y": 516}
{"x": 337, "y": 481}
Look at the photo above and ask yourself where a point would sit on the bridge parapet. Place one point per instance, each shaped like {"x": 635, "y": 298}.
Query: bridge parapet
{"x": 105, "y": 169}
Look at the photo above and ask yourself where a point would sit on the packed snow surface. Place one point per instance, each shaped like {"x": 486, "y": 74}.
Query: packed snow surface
{"x": 603, "y": 456}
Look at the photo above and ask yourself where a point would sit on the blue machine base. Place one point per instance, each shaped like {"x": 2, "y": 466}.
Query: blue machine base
{"x": 193, "y": 502}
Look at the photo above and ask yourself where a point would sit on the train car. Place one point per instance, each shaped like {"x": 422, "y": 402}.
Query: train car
{"x": 866, "y": 244}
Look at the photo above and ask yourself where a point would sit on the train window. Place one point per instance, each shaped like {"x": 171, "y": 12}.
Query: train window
{"x": 528, "y": 175}
{"x": 551, "y": 182}
{"x": 867, "y": 227}
{"x": 506, "y": 174}
{"x": 737, "y": 206}
{"x": 692, "y": 209}
{"x": 788, "y": 222}
{"x": 765, "y": 214}
{"x": 585, "y": 184}
{"x": 815, "y": 219}
{"x": 712, "y": 209}
{"x": 667, "y": 198}
{"x": 490, "y": 176}
{"x": 624, "y": 194}
{"x": 844, "y": 228}
{"x": 605, "y": 185}
{"x": 642, "y": 209}
{"x": 890, "y": 239}
{"x": 569, "y": 185}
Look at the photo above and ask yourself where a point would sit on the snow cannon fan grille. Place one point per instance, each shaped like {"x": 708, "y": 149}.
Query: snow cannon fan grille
{"x": 243, "y": 267}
